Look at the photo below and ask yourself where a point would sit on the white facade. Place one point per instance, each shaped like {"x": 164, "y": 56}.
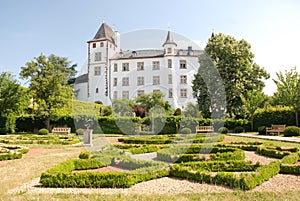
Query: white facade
{"x": 114, "y": 74}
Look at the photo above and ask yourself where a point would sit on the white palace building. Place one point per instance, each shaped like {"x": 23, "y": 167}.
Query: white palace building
{"x": 115, "y": 74}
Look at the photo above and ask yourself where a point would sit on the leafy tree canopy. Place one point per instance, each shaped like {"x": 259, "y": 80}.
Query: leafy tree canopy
{"x": 288, "y": 90}
{"x": 47, "y": 77}
{"x": 235, "y": 63}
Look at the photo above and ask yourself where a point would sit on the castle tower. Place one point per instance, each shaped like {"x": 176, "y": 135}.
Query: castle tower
{"x": 101, "y": 48}
{"x": 169, "y": 45}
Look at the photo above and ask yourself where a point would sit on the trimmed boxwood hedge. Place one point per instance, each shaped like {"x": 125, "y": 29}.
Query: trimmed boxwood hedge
{"x": 9, "y": 152}
{"x": 61, "y": 175}
{"x": 244, "y": 181}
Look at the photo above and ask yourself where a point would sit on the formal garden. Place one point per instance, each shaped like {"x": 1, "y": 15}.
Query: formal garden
{"x": 55, "y": 147}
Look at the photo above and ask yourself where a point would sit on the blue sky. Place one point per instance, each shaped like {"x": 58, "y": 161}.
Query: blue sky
{"x": 62, "y": 27}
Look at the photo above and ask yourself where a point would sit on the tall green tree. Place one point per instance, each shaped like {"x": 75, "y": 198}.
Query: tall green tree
{"x": 151, "y": 100}
{"x": 47, "y": 77}
{"x": 288, "y": 90}
{"x": 234, "y": 61}
{"x": 252, "y": 100}
{"x": 12, "y": 100}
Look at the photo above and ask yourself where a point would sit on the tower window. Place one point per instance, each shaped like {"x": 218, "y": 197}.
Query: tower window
{"x": 97, "y": 70}
{"x": 182, "y": 64}
{"x": 115, "y": 81}
{"x": 169, "y": 63}
{"x": 170, "y": 79}
{"x": 140, "y": 81}
{"x": 115, "y": 94}
{"x": 97, "y": 56}
{"x": 115, "y": 67}
{"x": 125, "y": 94}
{"x": 140, "y": 92}
{"x": 125, "y": 67}
{"x": 140, "y": 66}
{"x": 97, "y": 90}
{"x": 183, "y": 79}
{"x": 183, "y": 93}
{"x": 156, "y": 80}
{"x": 125, "y": 81}
{"x": 170, "y": 93}
{"x": 169, "y": 50}
{"x": 94, "y": 45}
{"x": 155, "y": 65}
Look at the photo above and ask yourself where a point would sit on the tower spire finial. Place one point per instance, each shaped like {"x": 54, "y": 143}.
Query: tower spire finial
{"x": 213, "y": 33}
{"x": 103, "y": 20}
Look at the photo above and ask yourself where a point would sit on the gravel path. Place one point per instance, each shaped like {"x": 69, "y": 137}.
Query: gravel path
{"x": 166, "y": 185}
{"x": 254, "y": 157}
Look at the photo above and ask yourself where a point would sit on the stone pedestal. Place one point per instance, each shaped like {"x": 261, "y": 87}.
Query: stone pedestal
{"x": 88, "y": 138}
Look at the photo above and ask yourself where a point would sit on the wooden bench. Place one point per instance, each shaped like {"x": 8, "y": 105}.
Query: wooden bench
{"x": 205, "y": 129}
{"x": 275, "y": 129}
{"x": 61, "y": 130}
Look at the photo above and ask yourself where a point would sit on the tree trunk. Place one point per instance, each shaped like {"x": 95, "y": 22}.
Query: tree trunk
{"x": 251, "y": 123}
{"x": 296, "y": 113}
{"x": 47, "y": 122}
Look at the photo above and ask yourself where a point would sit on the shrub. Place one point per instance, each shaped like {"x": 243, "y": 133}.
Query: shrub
{"x": 43, "y": 131}
{"x": 238, "y": 129}
{"x": 186, "y": 131}
{"x": 79, "y": 131}
{"x": 84, "y": 155}
{"x": 223, "y": 130}
{"x": 177, "y": 112}
{"x": 261, "y": 130}
{"x": 3, "y": 131}
{"x": 291, "y": 131}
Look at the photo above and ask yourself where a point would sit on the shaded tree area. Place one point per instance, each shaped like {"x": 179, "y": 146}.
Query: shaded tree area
{"x": 48, "y": 83}
{"x": 239, "y": 73}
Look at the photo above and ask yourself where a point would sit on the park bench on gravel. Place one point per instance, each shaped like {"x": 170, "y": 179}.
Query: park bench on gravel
{"x": 204, "y": 129}
{"x": 275, "y": 129}
{"x": 61, "y": 130}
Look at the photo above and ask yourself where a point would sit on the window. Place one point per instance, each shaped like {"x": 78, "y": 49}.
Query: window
{"x": 97, "y": 56}
{"x": 140, "y": 92}
{"x": 125, "y": 67}
{"x": 170, "y": 79}
{"x": 97, "y": 90}
{"x": 140, "y": 66}
{"x": 155, "y": 65}
{"x": 125, "y": 94}
{"x": 169, "y": 50}
{"x": 97, "y": 70}
{"x": 156, "y": 80}
{"x": 170, "y": 93}
{"x": 125, "y": 81}
{"x": 115, "y": 67}
{"x": 115, "y": 81}
{"x": 183, "y": 93}
{"x": 94, "y": 45}
{"x": 183, "y": 79}
{"x": 156, "y": 90}
{"x": 115, "y": 94}
{"x": 182, "y": 64}
{"x": 140, "y": 81}
{"x": 101, "y": 44}
{"x": 169, "y": 63}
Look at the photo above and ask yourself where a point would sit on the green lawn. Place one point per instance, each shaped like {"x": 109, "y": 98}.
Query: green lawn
{"x": 16, "y": 172}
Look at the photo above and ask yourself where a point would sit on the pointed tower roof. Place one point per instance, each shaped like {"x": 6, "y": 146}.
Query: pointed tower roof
{"x": 169, "y": 39}
{"x": 104, "y": 32}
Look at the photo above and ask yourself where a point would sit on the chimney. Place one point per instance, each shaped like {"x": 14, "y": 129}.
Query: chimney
{"x": 189, "y": 50}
